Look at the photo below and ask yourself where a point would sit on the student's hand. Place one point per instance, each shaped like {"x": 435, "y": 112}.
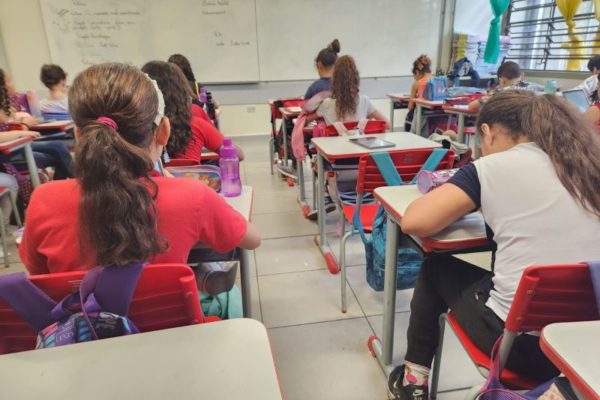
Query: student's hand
{"x": 30, "y": 134}
{"x": 29, "y": 120}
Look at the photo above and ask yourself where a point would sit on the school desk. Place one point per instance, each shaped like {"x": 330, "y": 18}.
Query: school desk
{"x": 461, "y": 111}
{"x": 573, "y": 348}
{"x": 336, "y": 148}
{"x": 466, "y": 233}
{"x": 419, "y": 105}
{"x": 397, "y": 101}
{"x": 10, "y": 146}
{"x": 209, "y": 155}
{"x": 53, "y": 126}
{"x": 287, "y": 114}
{"x": 219, "y": 360}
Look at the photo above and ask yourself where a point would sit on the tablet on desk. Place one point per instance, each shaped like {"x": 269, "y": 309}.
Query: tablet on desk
{"x": 372, "y": 143}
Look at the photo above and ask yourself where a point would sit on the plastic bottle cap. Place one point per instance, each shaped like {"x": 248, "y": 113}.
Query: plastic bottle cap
{"x": 228, "y": 149}
{"x": 227, "y": 142}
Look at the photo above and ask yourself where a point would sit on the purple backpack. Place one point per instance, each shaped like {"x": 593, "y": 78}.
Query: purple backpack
{"x": 98, "y": 310}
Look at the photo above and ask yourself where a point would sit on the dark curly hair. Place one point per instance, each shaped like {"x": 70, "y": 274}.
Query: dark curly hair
{"x": 345, "y": 86}
{"x": 328, "y": 56}
{"x": 175, "y": 90}
{"x": 5, "y": 104}
{"x": 52, "y": 75}
{"x": 422, "y": 64}
{"x": 182, "y": 62}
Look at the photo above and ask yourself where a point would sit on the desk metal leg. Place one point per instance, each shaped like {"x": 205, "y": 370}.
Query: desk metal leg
{"x": 35, "y": 179}
{"x": 245, "y": 281}
{"x": 285, "y": 144}
{"x": 416, "y": 128}
{"x": 272, "y": 143}
{"x": 461, "y": 128}
{"x": 383, "y": 348}
{"x": 302, "y": 195}
{"x": 392, "y": 115}
{"x": 321, "y": 238}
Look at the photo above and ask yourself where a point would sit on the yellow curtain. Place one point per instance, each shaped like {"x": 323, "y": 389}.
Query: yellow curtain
{"x": 568, "y": 9}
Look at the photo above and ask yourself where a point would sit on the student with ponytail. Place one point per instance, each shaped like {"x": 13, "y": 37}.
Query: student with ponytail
{"x": 324, "y": 63}
{"x": 537, "y": 188}
{"x": 117, "y": 211}
{"x": 421, "y": 74}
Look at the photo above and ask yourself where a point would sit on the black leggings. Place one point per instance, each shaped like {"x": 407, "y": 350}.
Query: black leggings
{"x": 446, "y": 282}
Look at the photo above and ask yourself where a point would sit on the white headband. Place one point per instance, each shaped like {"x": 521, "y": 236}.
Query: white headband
{"x": 160, "y": 113}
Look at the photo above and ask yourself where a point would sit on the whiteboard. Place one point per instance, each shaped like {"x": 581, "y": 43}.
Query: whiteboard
{"x": 383, "y": 36}
{"x": 218, "y": 36}
{"x": 243, "y": 40}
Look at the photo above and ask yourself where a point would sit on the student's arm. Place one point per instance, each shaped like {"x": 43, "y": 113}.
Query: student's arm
{"x": 12, "y": 135}
{"x": 251, "y": 239}
{"x": 475, "y": 105}
{"x": 211, "y": 137}
{"x": 311, "y": 117}
{"x": 592, "y": 115}
{"x": 439, "y": 208}
{"x": 239, "y": 152}
{"x": 414, "y": 92}
{"x": 378, "y": 115}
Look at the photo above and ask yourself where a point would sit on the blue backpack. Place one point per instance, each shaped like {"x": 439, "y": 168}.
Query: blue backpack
{"x": 409, "y": 260}
{"x": 436, "y": 89}
{"x": 96, "y": 311}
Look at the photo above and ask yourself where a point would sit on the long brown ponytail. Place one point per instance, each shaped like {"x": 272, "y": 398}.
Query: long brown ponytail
{"x": 345, "y": 85}
{"x": 571, "y": 143}
{"x": 117, "y": 214}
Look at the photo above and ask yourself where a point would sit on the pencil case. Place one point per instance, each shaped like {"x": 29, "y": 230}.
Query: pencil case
{"x": 427, "y": 180}
{"x": 208, "y": 174}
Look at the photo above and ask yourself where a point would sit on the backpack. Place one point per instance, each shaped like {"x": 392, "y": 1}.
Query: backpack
{"x": 436, "y": 89}
{"x": 101, "y": 305}
{"x": 464, "y": 67}
{"x": 409, "y": 260}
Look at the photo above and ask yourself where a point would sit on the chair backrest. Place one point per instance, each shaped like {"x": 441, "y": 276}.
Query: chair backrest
{"x": 407, "y": 162}
{"x": 373, "y": 126}
{"x": 166, "y": 297}
{"x": 181, "y": 162}
{"x": 552, "y": 293}
{"x": 276, "y": 114}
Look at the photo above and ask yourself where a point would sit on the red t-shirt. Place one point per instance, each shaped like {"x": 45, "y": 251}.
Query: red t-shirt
{"x": 189, "y": 212}
{"x": 199, "y": 112}
{"x": 204, "y": 134}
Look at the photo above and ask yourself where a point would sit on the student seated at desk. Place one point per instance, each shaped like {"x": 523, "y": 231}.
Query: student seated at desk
{"x": 48, "y": 154}
{"x": 422, "y": 74}
{"x": 541, "y": 206}
{"x": 592, "y": 114}
{"x": 117, "y": 211}
{"x": 510, "y": 78}
{"x": 590, "y": 84}
{"x": 346, "y": 103}
{"x": 189, "y": 134}
{"x": 55, "y": 79}
{"x": 325, "y": 61}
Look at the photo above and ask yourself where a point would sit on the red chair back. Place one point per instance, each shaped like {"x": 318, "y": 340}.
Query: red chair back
{"x": 552, "y": 293}
{"x": 373, "y": 126}
{"x": 166, "y": 297}
{"x": 181, "y": 162}
{"x": 276, "y": 114}
{"x": 408, "y": 163}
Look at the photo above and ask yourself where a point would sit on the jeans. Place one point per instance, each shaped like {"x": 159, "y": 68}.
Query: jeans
{"x": 54, "y": 154}
{"x": 446, "y": 282}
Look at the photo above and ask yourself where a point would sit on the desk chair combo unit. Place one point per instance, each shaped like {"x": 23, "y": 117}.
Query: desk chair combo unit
{"x": 278, "y": 112}
{"x": 545, "y": 295}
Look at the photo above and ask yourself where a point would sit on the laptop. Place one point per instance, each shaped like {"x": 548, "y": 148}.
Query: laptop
{"x": 577, "y": 98}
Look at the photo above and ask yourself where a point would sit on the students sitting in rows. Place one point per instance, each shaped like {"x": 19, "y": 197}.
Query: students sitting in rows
{"x": 422, "y": 74}
{"x": 55, "y": 79}
{"x": 510, "y": 77}
{"x": 49, "y": 154}
{"x": 541, "y": 206}
{"x": 346, "y": 103}
{"x": 324, "y": 62}
{"x": 117, "y": 211}
{"x": 590, "y": 84}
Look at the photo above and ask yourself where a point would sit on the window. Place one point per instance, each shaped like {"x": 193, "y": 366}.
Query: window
{"x": 539, "y": 34}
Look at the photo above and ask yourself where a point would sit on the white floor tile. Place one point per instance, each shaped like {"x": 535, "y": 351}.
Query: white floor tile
{"x": 303, "y": 297}
{"x": 457, "y": 371}
{"x": 327, "y": 361}
{"x": 293, "y": 254}
{"x": 278, "y": 225}
{"x": 371, "y": 301}
{"x": 275, "y": 203}
{"x": 13, "y": 267}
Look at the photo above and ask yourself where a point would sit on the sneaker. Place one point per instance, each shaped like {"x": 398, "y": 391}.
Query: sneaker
{"x": 314, "y": 214}
{"x": 408, "y": 392}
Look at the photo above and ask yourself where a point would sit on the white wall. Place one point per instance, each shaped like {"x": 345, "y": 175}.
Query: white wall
{"x": 473, "y": 17}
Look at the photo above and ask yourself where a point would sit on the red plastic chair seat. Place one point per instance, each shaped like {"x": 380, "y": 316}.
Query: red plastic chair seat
{"x": 509, "y": 378}
{"x": 367, "y": 215}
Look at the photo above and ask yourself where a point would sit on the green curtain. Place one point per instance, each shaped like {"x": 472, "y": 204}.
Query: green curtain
{"x": 568, "y": 9}
{"x": 492, "y": 49}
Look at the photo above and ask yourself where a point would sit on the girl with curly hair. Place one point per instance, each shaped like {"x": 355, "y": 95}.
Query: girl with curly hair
{"x": 189, "y": 134}
{"x": 346, "y": 103}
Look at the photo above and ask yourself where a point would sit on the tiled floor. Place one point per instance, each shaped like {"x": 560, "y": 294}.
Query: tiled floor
{"x": 320, "y": 352}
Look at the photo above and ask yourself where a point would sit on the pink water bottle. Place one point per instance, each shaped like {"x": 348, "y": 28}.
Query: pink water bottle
{"x": 231, "y": 184}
